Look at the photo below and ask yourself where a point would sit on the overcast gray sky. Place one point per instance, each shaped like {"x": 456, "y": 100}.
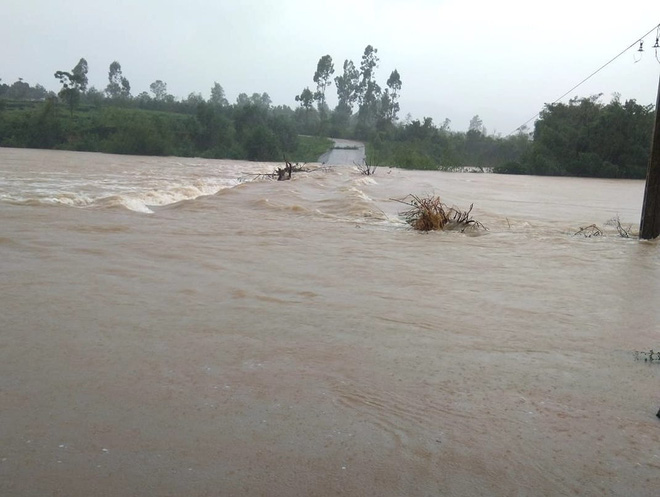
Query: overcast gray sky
{"x": 501, "y": 60}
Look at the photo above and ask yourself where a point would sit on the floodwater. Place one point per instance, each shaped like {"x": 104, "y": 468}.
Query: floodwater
{"x": 177, "y": 327}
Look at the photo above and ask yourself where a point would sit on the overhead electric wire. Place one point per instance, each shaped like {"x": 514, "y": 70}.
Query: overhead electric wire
{"x": 656, "y": 27}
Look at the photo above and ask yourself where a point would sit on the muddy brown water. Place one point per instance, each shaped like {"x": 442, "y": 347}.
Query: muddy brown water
{"x": 176, "y": 326}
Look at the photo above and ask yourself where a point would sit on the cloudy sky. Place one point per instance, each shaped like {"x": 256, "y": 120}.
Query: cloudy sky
{"x": 501, "y": 60}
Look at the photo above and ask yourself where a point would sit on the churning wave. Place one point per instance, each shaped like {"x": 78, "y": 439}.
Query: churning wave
{"x": 138, "y": 199}
{"x": 336, "y": 194}
{"x": 138, "y": 189}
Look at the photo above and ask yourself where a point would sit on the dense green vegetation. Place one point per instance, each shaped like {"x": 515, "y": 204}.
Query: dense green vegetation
{"x": 422, "y": 145}
{"x": 589, "y": 138}
{"x": 582, "y": 138}
{"x": 115, "y": 122}
{"x": 237, "y": 133}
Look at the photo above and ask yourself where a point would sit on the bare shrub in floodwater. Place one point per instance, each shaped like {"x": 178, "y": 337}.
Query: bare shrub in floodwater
{"x": 283, "y": 173}
{"x": 367, "y": 167}
{"x": 430, "y": 214}
{"x": 616, "y": 222}
{"x": 593, "y": 230}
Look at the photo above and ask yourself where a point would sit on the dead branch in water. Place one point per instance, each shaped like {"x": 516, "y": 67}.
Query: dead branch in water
{"x": 430, "y": 214}
{"x": 367, "y": 167}
{"x": 283, "y": 173}
{"x": 593, "y": 230}
{"x": 589, "y": 231}
{"x": 616, "y": 222}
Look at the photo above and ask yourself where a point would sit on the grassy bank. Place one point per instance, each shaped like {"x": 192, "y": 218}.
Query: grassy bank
{"x": 310, "y": 148}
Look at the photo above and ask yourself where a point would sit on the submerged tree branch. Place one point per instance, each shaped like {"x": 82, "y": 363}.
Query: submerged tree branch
{"x": 430, "y": 213}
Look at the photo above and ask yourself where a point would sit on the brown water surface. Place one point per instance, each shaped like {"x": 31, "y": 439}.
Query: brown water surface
{"x": 175, "y": 327}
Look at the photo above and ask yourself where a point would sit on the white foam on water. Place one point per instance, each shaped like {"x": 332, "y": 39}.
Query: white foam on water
{"x": 365, "y": 180}
{"x": 105, "y": 181}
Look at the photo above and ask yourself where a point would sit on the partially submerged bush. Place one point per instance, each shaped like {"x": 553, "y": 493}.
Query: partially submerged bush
{"x": 430, "y": 213}
{"x": 616, "y": 222}
{"x": 593, "y": 230}
{"x": 367, "y": 167}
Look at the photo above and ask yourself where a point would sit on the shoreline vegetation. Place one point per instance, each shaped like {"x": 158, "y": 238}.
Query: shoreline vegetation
{"x": 584, "y": 137}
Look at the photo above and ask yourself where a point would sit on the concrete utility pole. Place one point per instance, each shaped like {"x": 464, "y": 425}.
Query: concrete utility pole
{"x": 649, "y": 227}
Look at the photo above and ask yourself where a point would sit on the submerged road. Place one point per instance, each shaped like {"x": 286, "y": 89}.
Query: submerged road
{"x": 345, "y": 152}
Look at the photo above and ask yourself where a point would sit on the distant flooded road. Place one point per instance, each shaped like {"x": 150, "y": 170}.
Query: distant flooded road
{"x": 345, "y": 153}
{"x": 173, "y": 327}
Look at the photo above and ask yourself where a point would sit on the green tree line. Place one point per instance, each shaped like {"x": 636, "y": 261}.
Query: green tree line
{"x": 588, "y": 138}
{"x": 582, "y": 138}
{"x": 113, "y": 121}
{"x": 421, "y": 144}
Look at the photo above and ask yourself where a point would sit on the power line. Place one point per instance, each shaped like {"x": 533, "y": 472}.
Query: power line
{"x": 657, "y": 27}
